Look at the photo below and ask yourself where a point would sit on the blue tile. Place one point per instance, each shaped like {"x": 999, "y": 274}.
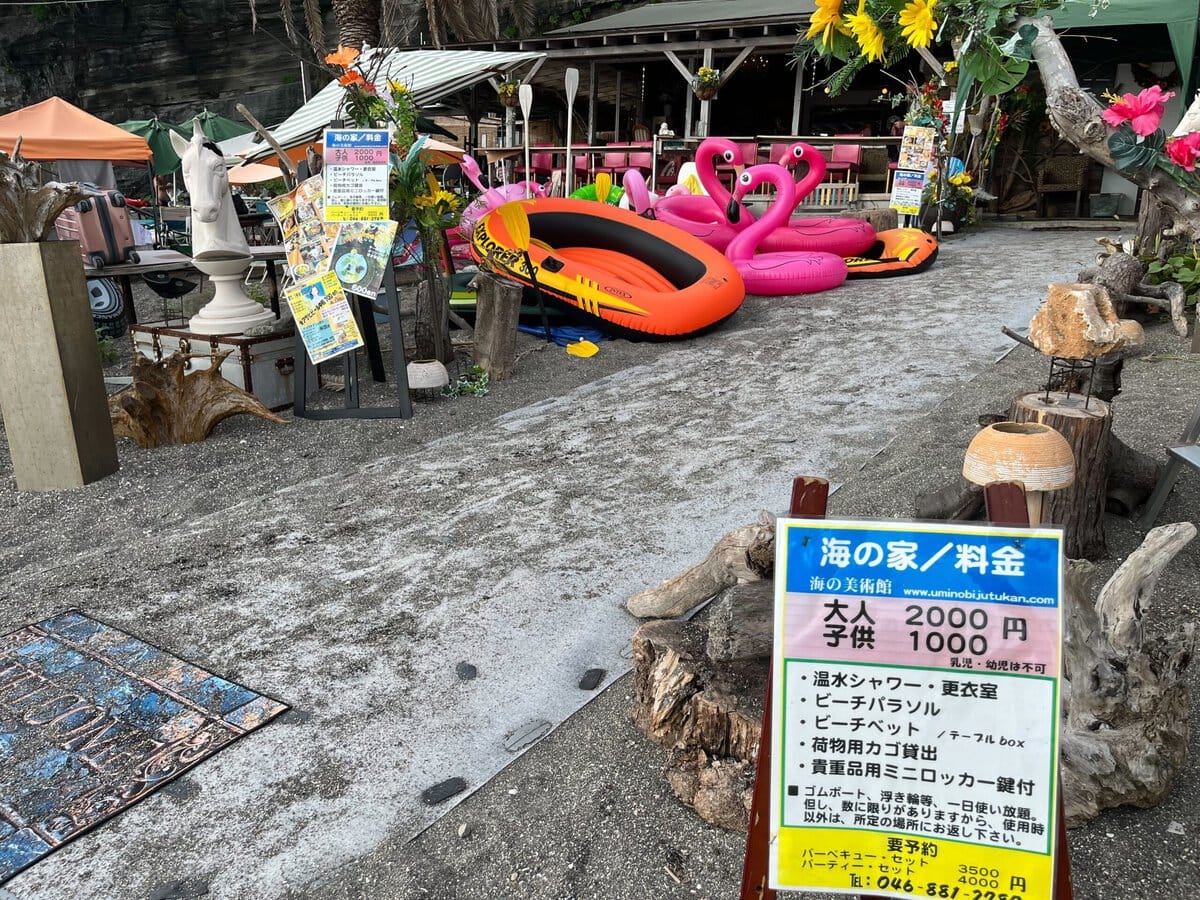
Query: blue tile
{"x": 19, "y": 850}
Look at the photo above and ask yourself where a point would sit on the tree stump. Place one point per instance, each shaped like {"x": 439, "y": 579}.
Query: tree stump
{"x": 1078, "y": 509}
{"x": 497, "y": 311}
{"x": 168, "y": 405}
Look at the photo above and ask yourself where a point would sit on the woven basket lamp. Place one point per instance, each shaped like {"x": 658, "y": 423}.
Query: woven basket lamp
{"x": 1035, "y": 455}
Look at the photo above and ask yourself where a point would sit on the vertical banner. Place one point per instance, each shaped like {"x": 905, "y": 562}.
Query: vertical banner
{"x": 916, "y": 709}
{"x": 912, "y": 168}
{"x": 356, "y": 174}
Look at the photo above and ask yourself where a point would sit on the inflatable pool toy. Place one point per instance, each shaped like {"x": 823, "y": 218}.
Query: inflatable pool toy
{"x": 778, "y": 272}
{"x": 638, "y": 195}
{"x": 603, "y": 191}
{"x": 833, "y": 234}
{"x": 614, "y": 269}
{"x": 490, "y": 197}
{"x": 704, "y": 215}
{"x": 897, "y": 251}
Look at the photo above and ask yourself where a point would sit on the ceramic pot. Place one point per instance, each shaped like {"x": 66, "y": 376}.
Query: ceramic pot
{"x": 427, "y": 374}
{"x": 1034, "y": 454}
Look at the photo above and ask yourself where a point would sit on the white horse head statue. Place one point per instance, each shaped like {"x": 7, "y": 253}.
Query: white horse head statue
{"x": 216, "y": 232}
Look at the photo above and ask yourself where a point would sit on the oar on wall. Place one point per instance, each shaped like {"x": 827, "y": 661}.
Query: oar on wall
{"x": 572, "y": 87}
{"x": 525, "y": 93}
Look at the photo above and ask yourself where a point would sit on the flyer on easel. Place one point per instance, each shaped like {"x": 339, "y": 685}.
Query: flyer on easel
{"x": 324, "y": 318}
{"x": 361, "y": 254}
{"x": 912, "y": 168}
{"x": 307, "y": 239}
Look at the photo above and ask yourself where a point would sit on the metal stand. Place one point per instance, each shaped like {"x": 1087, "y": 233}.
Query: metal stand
{"x": 1063, "y": 369}
{"x": 352, "y": 410}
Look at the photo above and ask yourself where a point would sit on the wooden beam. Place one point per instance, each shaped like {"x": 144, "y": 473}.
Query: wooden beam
{"x": 733, "y": 66}
{"x": 537, "y": 65}
{"x": 679, "y": 66}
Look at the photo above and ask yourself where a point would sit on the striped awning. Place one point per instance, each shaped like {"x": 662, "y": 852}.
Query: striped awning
{"x": 430, "y": 74}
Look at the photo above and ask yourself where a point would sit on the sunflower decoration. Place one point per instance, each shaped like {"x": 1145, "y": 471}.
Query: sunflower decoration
{"x": 917, "y": 23}
{"x": 866, "y": 32}
{"x": 825, "y": 20}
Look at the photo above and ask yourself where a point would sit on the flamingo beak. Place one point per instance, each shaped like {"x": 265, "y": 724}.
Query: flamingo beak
{"x": 733, "y": 212}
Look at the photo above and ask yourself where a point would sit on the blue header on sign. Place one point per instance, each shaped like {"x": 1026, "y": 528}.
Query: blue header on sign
{"x": 948, "y": 564}
{"x": 355, "y": 138}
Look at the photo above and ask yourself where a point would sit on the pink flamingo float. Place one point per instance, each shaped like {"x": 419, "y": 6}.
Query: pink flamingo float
{"x": 490, "y": 197}
{"x": 705, "y": 215}
{"x": 778, "y": 272}
{"x": 640, "y": 198}
{"x": 840, "y": 235}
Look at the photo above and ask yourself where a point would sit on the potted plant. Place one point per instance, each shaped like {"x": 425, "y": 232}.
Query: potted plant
{"x": 956, "y": 198}
{"x": 508, "y": 92}
{"x": 52, "y": 393}
{"x": 706, "y": 82}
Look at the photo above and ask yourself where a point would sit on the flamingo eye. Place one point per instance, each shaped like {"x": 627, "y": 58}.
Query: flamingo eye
{"x": 728, "y": 156}
{"x": 744, "y": 179}
{"x": 798, "y": 152}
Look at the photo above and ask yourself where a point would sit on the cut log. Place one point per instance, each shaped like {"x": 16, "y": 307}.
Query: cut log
{"x": 1126, "y": 705}
{"x": 745, "y": 554}
{"x": 166, "y": 404}
{"x": 960, "y": 501}
{"x": 431, "y": 332}
{"x": 1078, "y": 509}
{"x": 1132, "y": 476}
{"x": 497, "y": 312}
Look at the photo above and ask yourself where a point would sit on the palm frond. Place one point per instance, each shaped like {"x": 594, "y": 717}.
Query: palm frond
{"x": 524, "y": 13}
{"x": 315, "y": 24}
{"x": 288, "y": 15}
{"x": 253, "y": 15}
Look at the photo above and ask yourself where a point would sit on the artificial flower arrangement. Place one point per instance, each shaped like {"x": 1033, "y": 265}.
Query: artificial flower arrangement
{"x": 706, "y": 82}
{"x": 957, "y": 197}
{"x": 1139, "y": 142}
{"x": 413, "y": 190}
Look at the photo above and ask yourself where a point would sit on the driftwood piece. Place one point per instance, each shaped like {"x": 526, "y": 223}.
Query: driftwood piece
{"x": 745, "y": 554}
{"x": 961, "y": 500}
{"x": 1132, "y": 476}
{"x": 1080, "y": 508}
{"x": 497, "y": 312}
{"x": 28, "y": 208}
{"x": 1126, "y": 707}
{"x": 168, "y": 405}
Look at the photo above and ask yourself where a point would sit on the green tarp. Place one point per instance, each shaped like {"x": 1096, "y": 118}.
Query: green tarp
{"x": 1180, "y": 17}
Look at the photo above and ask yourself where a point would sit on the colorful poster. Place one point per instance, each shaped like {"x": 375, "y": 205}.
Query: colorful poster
{"x": 356, "y": 174}
{"x": 307, "y": 240}
{"x": 360, "y": 255}
{"x": 912, "y": 168}
{"x": 323, "y": 315}
{"x": 916, "y": 709}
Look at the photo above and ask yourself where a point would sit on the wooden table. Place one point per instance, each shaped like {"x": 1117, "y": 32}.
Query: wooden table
{"x": 150, "y": 261}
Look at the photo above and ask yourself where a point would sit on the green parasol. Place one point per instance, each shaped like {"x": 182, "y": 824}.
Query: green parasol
{"x": 157, "y": 134}
{"x": 215, "y": 127}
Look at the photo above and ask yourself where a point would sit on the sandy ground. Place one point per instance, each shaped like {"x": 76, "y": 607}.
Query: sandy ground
{"x": 348, "y": 567}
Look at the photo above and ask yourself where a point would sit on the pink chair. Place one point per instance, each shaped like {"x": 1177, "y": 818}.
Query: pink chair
{"x": 614, "y": 164}
{"x": 776, "y": 150}
{"x": 845, "y": 160}
{"x": 643, "y": 162}
{"x": 543, "y": 164}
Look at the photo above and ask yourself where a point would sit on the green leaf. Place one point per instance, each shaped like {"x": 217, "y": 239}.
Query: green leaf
{"x": 1020, "y": 45}
{"x": 995, "y": 74}
{"x": 1128, "y": 154}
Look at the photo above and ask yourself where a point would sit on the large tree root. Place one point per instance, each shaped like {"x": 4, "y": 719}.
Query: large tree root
{"x": 168, "y": 405}
{"x": 699, "y": 689}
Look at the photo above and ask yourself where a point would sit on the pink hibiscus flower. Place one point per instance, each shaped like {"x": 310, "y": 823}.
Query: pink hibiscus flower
{"x": 1143, "y": 111}
{"x": 1185, "y": 151}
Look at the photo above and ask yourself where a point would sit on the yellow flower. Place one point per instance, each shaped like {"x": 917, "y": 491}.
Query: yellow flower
{"x": 950, "y": 66}
{"x": 825, "y": 19}
{"x": 866, "y": 32}
{"x": 397, "y": 87}
{"x": 918, "y": 22}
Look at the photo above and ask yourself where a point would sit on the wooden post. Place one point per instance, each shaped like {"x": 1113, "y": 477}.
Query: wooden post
{"x": 810, "y": 496}
{"x": 497, "y": 310}
{"x": 1079, "y": 509}
{"x": 1005, "y": 502}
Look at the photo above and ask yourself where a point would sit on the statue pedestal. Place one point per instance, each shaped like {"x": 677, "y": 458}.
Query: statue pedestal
{"x": 230, "y": 311}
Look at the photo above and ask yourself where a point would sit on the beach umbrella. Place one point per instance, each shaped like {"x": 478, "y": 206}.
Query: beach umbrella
{"x": 253, "y": 173}
{"x": 428, "y": 126}
{"x": 438, "y": 153}
{"x": 157, "y": 134}
{"x": 215, "y": 127}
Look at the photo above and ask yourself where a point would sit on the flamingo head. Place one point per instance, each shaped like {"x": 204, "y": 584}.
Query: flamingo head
{"x": 721, "y": 151}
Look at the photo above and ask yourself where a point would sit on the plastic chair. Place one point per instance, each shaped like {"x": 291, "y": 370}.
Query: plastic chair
{"x": 776, "y": 150}
{"x": 643, "y": 162}
{"x": 613, "y": 163}
{"x": 845, "y": 160}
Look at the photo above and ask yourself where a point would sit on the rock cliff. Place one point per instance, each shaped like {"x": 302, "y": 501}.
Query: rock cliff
{"x": 131, "y": 59}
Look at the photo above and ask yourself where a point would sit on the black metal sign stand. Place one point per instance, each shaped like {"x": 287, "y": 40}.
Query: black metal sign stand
{"x": 352, "y": 410}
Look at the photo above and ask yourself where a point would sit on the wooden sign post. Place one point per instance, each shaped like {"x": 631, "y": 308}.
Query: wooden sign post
{"x": 1042, "y": 554}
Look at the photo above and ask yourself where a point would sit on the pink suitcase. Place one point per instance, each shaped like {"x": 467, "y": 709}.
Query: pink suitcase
{"x": 101, "y": 225}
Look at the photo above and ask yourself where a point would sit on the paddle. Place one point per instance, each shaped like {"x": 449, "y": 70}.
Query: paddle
{"x": 525, "y": 92}
{"x": 516, "y": 223}
{"x": 603, "y": 186}
{"x": 572, "y": 87}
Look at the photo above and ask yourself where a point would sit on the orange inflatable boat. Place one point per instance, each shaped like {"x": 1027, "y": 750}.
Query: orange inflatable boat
{"x": 897, "y": 251}
{"x": 634, "y": 276}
